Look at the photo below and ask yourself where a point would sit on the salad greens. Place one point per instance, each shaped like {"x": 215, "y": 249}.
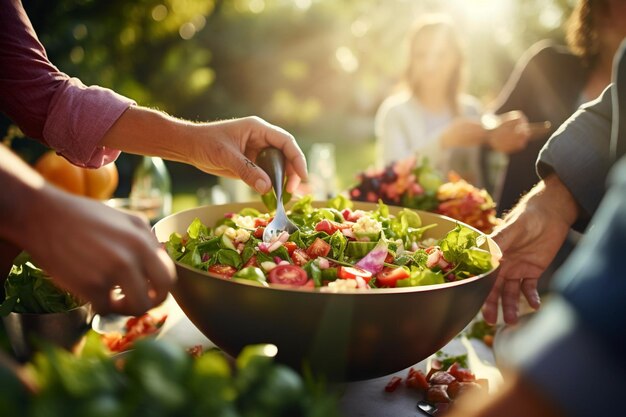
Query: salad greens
{"x": 29, "y": 290}
{"x": 334, "y": 242}
{"x": 157, "y": 378}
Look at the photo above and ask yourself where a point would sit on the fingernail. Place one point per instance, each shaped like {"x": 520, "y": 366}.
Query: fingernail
{"x": 261, "y": 185}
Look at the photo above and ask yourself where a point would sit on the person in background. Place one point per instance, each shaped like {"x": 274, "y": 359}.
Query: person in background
{"x": 568, "y": 358}
{"x": 431, "y": 116}
{"x": 551, "y": 81}
{"x": 87, "y": 247}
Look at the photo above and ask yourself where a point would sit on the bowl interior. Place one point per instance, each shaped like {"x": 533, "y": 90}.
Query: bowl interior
{"x": 345, "y": 336}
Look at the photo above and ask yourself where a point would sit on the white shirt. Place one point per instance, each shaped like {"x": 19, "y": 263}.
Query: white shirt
{"x": 404, "y": 127}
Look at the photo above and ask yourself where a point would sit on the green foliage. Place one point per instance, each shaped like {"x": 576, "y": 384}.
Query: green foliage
{"x": 319, "y": 68}
{"x": 28, "y": 289}
{"x": 160, "y": 379}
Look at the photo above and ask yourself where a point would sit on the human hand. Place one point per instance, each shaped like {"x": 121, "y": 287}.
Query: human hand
{"x": 511, "y": 133}
{"x": 463, "y": 131}
{"x": 89, "y": 249}
{"x": 229, "y": 148}
{"x": 529, "y": 238}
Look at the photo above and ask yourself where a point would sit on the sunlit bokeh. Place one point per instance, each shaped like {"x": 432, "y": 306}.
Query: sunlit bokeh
{"x": 318, "y": 68}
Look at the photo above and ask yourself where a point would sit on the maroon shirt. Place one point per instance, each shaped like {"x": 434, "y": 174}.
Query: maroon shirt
{"x": 47, "y": 104}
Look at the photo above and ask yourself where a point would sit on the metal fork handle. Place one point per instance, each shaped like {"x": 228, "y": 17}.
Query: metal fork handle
{"x": 272, "y": 161}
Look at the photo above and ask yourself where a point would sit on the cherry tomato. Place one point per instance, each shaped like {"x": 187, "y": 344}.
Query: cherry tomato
{"x": 300, "y": 257}
{"x": 225, "y": 271}
{"x": 389, "y": 276}
{"x": 258, "y": 232}
{"x": 330, "y": 226}
{"x": 318, "y": 248}
{"x": 288, "y": 275}
{"x": 393, "y": 384}
{"x": 253, "y": 261}
{"x": 417, "y": 380}
{"x": 461, "y": 374}
{"x": 290, "y": 246}
{"x": 351, "y": 272}
{"x": 260, "y": 222}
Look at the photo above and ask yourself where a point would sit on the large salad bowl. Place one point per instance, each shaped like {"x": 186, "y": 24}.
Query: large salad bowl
{"x": 344, "y": 336}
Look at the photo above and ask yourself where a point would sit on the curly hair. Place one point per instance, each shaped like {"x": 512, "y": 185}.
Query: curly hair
{"x": 582, "y": 29}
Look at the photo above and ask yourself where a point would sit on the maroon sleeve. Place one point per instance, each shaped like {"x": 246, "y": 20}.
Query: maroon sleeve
{"x": 47, "y": 104}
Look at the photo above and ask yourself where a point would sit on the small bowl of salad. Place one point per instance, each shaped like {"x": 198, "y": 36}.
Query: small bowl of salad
{"x": 361, "y": 290}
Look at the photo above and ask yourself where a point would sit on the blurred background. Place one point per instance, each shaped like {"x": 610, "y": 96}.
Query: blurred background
{"x": 318, "y": 68}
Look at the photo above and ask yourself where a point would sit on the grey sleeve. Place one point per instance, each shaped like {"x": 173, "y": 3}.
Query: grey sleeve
{"x": 578, "y": 152}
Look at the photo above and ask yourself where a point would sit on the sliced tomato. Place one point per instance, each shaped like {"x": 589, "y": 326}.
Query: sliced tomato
{"x": 389, "y": 276}
{"x": 393, "y": 384}
{"x": 417, "y": 380}
{"x": 300, "y": 257}
{"x": 288, "y": 275}
{"x": 290, "y": 246}
{"x": 258, "y": 232}
{"x": 260, "y": 222}
{"x": 225, "y": 271}
{"x": 253, "y": 261}
{"x": 351, "y": 272}
{"x": 461, "y": 374}
{"x": 319, "y": 247}
{"x": 331, "y": 227}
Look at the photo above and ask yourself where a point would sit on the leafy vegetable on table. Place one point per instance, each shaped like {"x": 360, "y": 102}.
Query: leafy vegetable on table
{"x": 161, "y": 379}
{"x": 28, "y": 289}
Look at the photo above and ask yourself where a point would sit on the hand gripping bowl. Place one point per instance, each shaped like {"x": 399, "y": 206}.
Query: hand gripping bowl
{"x": 343, "y": 336}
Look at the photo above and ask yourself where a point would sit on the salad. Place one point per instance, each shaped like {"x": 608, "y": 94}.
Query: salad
{"x": 336, "y": 248}
{"x": 416, "y": 184}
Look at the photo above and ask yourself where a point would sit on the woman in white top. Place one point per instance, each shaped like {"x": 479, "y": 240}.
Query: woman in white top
{"x": 431, "y": 117}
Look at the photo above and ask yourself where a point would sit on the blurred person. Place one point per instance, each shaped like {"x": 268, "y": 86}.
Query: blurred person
{"x": 87, "y": 247}
{"x": 574, "y": 165}
{"x": 551, "y": 81}
{"x": 431, "y": 116}
{"x": 567, "y": 359}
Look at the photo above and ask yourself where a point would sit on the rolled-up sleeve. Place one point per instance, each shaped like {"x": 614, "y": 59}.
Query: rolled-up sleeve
{"x": 578, "y": 152}
{"x": 47, "y": 104}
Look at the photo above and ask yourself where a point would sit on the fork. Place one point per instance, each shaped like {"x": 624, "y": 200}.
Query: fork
{"x": 272, "y": 161}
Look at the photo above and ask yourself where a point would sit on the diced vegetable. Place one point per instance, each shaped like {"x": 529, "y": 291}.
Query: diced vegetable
{"x": 330, "y": 243}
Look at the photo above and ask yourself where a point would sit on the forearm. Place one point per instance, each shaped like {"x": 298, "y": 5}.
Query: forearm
{"x": 552, "y": 197}
{"x": 144, "y": 131}
{"x": 20, "y": 184}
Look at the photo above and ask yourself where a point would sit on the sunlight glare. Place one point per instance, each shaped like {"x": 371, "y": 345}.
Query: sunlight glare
{"x": 256, "y": 6}
{"x": 551, "y": 17}
{"x": 347, "y": 60}
{"x": 302, "y": 4}
{"x": 187, "y": 30}
{"x": 360, "y": 27}
{"x": 482, "y": 12}
{"x": 159, "y": 12}
{"x": 79, "y": 31}
{"x": 77, "y": 54}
